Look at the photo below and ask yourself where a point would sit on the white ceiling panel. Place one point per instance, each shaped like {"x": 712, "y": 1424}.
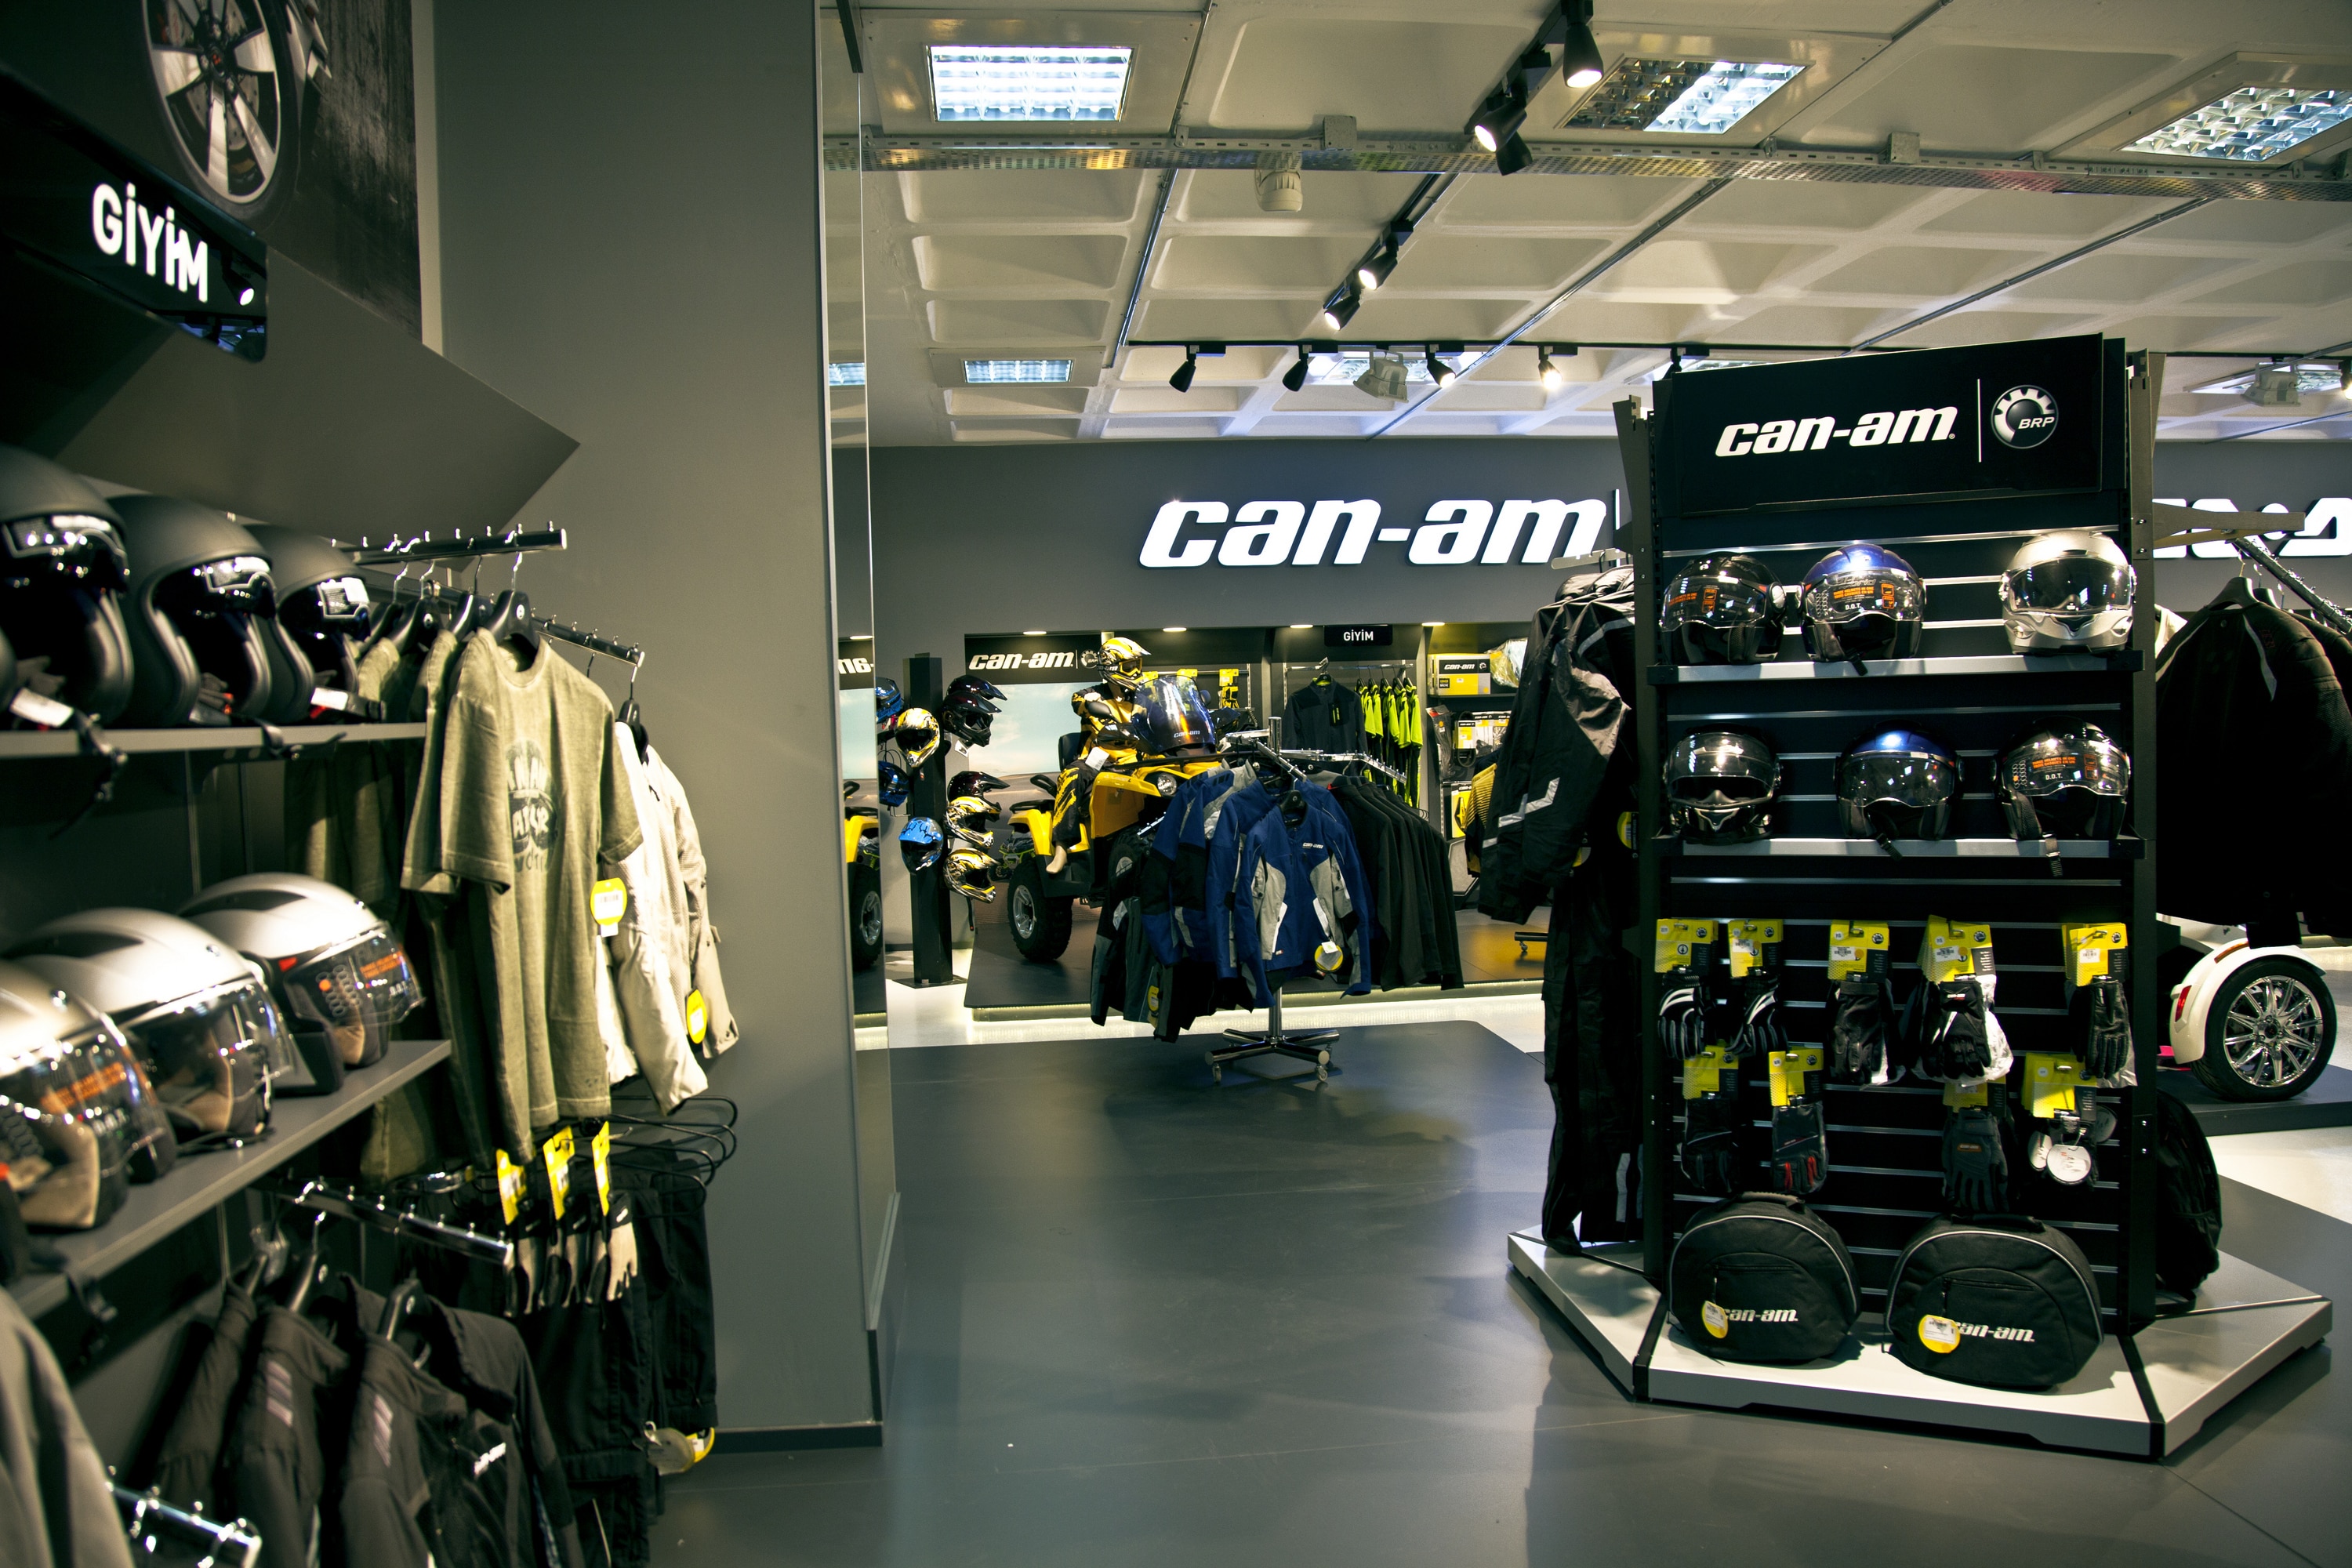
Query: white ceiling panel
{"x": 1045, "y": 322}
{"x": 1917, "y": 269}
{"x": 1023, "y": 196}
{"x": 1705, "y": 266}
{"x": 1983, "y": 97}
{"x": 1289, "y": 71}
{"x": 953, "y": 263}
{"x": 1612, "y": 201}
{"x": 1788, "y": 203}
{"x": 2031, "y": 214}
{"x": 1223, "y": 196}
{"x": 2319, "y": 280}
{"x": 1487, "y": 262}
{"x": 1256, "y": 264}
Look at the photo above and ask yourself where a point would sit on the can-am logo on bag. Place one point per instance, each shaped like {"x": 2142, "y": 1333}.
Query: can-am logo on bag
{"x": 1888, "y": 427}
{"x": 2024, "y": 417}
{"x": 1302, "y": 533}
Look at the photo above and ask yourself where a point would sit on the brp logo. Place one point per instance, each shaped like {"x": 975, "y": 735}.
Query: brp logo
{"x": 2024, "y": 417}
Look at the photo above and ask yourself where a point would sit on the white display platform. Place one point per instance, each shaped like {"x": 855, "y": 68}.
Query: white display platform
{"x": 2243, "y": 1323}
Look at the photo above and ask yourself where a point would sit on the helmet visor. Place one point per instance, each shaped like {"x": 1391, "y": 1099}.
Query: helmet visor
{"x": 354, "y": 991}
{"x": 211, "y": 1055}
{"x": 1903, "y": 778}
{"x": 2070, "y": 585}
{"x": 1716, "y": 601}
{"x": 1849, "y": 596}
{"x": 1719, "y": 769}
{"x": 69, "y": 1127}
{"x": 86, "y": 542}
{"x": 2043, "y": 767}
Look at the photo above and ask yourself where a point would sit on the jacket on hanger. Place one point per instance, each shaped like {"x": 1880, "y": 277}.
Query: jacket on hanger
{"x": 56, "y": 1507}
{"x": 1324, "y": 716}
{"x": 698, "y": 941}
{"x": 1299, "y": 885}
{"x": 652, "y": 956}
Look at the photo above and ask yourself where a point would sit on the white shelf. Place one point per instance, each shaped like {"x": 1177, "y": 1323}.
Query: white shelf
{"x": 21, "y": 743}
{"x": 1840, "y": 669}
{"x": 1912, "y": 848}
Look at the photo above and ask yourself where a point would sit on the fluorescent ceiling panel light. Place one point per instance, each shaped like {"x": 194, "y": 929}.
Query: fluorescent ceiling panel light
{"x": 1689, "y": 98}
{"x": 1028, "y": 81}
{"x": 844, "y": 373}
{"x": 984, "y": 371}
{"x": 2312, "y": 375}
{"x": 1344, "y": 370}
{"x": 2251, "y": 124}
{"x": 1693, "y": 366}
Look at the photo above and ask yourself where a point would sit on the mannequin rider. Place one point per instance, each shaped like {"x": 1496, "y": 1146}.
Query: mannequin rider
{"x": 1107, "y": 713}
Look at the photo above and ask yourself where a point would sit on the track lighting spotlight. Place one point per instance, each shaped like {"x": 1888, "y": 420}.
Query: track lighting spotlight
{"x": 1182, "y": 380}
{"x": 1296, "y": 377}
{"x": 1579, "y": 56}
{"x": 1383, "y": 377}
{"x": 1512, "y": 156}
{"x": 1341, "y": 308}
{"x": 1547, "y": 372}
{"x": 1439, "y": 370}
{"x": 1499, "y": 118}
{"x": 1376, "y": 269}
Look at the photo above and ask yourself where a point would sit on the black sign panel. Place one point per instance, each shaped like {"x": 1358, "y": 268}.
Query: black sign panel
{"x": 1940, "y": 422}
{"x": 73, "y": 201}
{"x": 1020, "y": 660}
{"x": 1359, "y": 637}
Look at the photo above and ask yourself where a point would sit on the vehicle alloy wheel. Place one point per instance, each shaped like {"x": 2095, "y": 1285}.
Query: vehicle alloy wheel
{"x": 230, "y": 102}
{"x": 2270, "y": 1033}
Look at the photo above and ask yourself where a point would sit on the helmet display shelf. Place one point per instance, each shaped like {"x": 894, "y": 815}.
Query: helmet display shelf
{"x": 1775, "y": 467}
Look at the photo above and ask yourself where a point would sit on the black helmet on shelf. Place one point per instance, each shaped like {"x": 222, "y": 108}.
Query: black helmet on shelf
{"x": 199, "y": 1016}
{"x": 62, "y": 574}
{"x": 1898, "y": 784}
{"x": 71, "y": 1128}
{"x": 892, "y": 783}
{"x": 340, "y": 978}
{"x": 919, "y": 843}
{"x": 1722, "y": 609}
{"x": 2069, "y": 780}
{"x": 969, "y": 721}
{"x": 973, "y": 873}
{"x": 321, "y": 603}
{"x": 1720, "y": 787}
{"x": 972, "y": 780}
{"x": 2066, "y": 592}
{"x": 973, "y": 685}
{"x": 918, "y": 734}
{"x": 1864, "y": 601}
{"x": 205, "y": 637}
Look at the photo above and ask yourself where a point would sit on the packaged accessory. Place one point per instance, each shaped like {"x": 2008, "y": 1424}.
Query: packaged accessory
{"x": 1762, "y": 1278}
{"x": 2003, "y": 1303}
{"x": 2098, "y": 971}
{"x": 1950, "y": 1033}
{"x": 1754, "y": 1023}
{"x": 2068, "y": 591}
{"x": 1685, "y": 960}
{"x": 63, "y": 570}
{"x": 1897, "y": 784}
{"x": 1801, "y": 1155}
{"x": 1722, "y": 609}
{"x": 1721, "y": 785}
{"x": 1864, "y": 601}
{"x": 1862, "y": 1016}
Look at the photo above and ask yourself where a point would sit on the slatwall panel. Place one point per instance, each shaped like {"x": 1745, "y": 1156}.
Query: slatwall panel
{"x": 1964, "y": 690}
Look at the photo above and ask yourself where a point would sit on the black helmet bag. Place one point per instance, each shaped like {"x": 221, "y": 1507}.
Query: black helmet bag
{"x": 1762, "y": 1278}
{"x": 2189, "y": 1199}
{"x": 2002, "y": 1302}
{"x": 62, "y": 573}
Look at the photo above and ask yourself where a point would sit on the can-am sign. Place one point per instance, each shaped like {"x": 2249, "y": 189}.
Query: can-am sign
{"x": 1302, "y": 534}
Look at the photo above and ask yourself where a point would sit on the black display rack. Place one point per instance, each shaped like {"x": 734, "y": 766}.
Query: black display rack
{"x": 1956, "y": 511}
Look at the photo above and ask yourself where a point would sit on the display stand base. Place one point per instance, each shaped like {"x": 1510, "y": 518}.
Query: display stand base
{"x": 1274, "y": 1040}
{"x": 2243, "y": 1323}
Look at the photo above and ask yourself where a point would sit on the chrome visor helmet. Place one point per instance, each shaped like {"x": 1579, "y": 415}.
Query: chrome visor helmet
{"x": 1722, "y": 609}
{"x": 70, "y": 1128}
{"x": 2067, "y": 782}
{"x": 2068, "y": 591}
{"x": 1720, "y": 787}
{"x": 1897, "y": 784}
{"x": 1864, "y": 601}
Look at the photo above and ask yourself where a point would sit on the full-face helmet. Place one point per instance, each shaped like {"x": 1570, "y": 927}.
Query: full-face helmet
{"x": 919, "y": 843}
{"x": 1120, "y": 659}
{"x": 892, "y": 783}
{"x": 972, "y": 780}
{"x": 1897, "y": 784}
{"x": 973, "y": 873}
{"x": 918, "y": 734}
{"x": 971, "y": 720}
{"x": 62, "y": 574}
{"x": 972, "y": 819}
{"x": 321, "y": 603}
{"x": 1722, "y": 609}
{"x": 70, "y": 1097}
{"x": 888, "y": 703}
{"x": 2068, "y": 591}
{"x": 1864, "y": 601}
{"x": 2067, "y": 782}
{"x": 204, "y": 638}
{"x": 974, "y": 687}
{"x": 1720, "y": 787}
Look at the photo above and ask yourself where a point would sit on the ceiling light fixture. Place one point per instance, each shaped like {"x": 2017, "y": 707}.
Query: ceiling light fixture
{"x": 1547, "y": 372}
{"x": 844, "y": 373}
{"x": 1175, "y": 628}
{"x": 1580, "y": 54}
{"x": 2311, "y": 375}
{"x": 1028, "y": 81}
{"x": 2251, "y": 124}
{"x": 1383, "y": 377}
{"x": 1682, "y": 96}
{"x": 1500, "y": 117}
{"x": 1182, "y": 380}
{"x": 1035, "y": 634}
{"x": 985, "y": 372}
{"x": 1296, "y": 377}
{"x": 1341, "y": 308}
{"x": 1439, "y": 370}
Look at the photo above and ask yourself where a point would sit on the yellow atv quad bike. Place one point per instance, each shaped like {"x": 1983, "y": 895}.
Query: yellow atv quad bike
{"x": 861, "y": 849}
{"x": 1128, "y": 784}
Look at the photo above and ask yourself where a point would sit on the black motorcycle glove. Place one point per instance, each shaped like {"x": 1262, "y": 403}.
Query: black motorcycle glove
{"x": 1954, "y": 1044}
{"x": 1976, "y": 1166}
{"x": 2102, "y": 1020}
{"x": 1861, "y": 1019}
{"x": 1682, "y": 1016}
{"x": 1755, "y": 1015}
{"x": 1714, "y": 1153}
{"x": 1801, "y": 1155}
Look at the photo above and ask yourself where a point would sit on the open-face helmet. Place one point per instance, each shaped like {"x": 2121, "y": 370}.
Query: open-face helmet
{"x": 918, "y": 734}
{"x": 1722, "y": 609}
{"x": 339, "y": 977}
{"x": 199, "y": 1016}
{"x": 919, "y": 843}
{"x": 972, "y": 819}
{"x": 973, "y": 685}
{"x": 321, "y": 603}
{"x": 205, "y": 639}
{"x": 62, "y": 574}
{"x": 972, "y": 780}
{"x": 973, "y": 873}
{"x": 2066, "y": 782}
{"x": 1897, "y": 784}
{"x": 1720, "y": 787}
{"x": 888, "y": 703}
{"x": 71, "y": 1093}
{"x": 2068, "y": 592}
{"x": 1864, "y": 601}
{"x": 893, "y": 781}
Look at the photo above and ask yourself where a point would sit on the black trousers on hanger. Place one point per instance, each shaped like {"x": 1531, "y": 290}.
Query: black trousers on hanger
{"x": 1592, "y": 1064}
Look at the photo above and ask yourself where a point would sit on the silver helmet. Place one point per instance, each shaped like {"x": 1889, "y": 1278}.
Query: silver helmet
{"x": 333, "y": 967}
{"x": 70, "y": 1097}
{"x": 198, "y": 1015}
{"x": 2068, "y": 591}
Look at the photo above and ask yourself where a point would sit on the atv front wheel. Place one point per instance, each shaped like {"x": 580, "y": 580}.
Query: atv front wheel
{"x": 865, "y": 915}
{"x": 1041, "y": 923}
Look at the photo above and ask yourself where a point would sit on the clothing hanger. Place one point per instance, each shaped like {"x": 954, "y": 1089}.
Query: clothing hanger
{"x": 633, "y": 716}
{"x": 509, "y": 618}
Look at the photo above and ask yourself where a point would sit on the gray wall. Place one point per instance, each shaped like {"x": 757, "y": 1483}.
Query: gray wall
{"x": 630, "y": 246}
{"x": 2254, "y": 474}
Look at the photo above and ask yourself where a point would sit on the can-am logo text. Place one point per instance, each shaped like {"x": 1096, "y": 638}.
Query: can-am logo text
{"x": 1063, "y": 658}
{"x": 1301, "y": 533}
{"x": 1887, "y": 428}
{"x": 144, "y": 239}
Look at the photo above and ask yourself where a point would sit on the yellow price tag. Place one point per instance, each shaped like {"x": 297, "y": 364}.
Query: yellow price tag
{"x": 511, "y": 1184}
{"x": 557, "y": 1152}
{"x": 1851, "y": 944}
{"x": 1789, "y": 1068}
{"x": 1682, "y": 944}
{"x": 2049, "y": 1084}
{"x": 608, "y": 900}
{"x": 698, "y": 1017}
{"x": 601, "y": 1150}
{"x": 1703, "y": 1074}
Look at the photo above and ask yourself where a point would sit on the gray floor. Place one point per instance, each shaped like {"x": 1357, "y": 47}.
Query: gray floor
{"x": 1152, "y": 1322}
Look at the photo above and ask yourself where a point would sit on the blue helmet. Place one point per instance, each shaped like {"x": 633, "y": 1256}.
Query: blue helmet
{"x": 1897, "y": 784}
{"x": 894, "y": 782}
{"x": 887, "y": 704}
{"x": 1864, "y": 601}
{"x": 919, "y": 844}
